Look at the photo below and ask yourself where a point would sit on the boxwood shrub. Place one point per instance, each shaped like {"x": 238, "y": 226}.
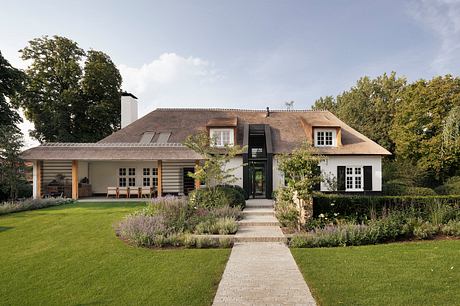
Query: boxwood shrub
{"x": 361, "y": 207}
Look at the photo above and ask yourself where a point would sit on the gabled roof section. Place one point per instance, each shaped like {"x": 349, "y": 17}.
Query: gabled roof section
{"x": 288, "y": 128}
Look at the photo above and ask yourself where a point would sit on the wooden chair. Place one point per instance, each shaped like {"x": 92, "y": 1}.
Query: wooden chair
{"x": 112, "y": 191}
{"x": 135, "y": 191}
{"x": 123, "y": 191}
{"x": 146, "y": 191}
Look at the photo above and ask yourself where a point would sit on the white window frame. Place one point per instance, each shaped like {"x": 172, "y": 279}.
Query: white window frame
{"x": 218, "y": 140}
{"x": 152, "y": 175}
{"x": 355, "y": 178}
{"x": 332, "y": 132}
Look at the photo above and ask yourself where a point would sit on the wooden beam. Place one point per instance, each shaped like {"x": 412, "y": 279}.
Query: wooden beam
{"x": 39, "y": 179}
{"x": 339, "y": 137}
{"x": 197, "y": 181}
{"x": 160, "y": 178}
{"x": 75, "y": 179}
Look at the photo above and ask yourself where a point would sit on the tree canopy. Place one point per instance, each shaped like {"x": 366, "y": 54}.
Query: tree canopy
{"x": 11, "y": 81}
{"x": 417, "y": 122}
{"x": 68, "y": 103}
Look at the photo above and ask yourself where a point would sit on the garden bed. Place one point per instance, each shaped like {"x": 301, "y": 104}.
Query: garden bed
{"x": 32, "y": 204}
{"x": 362, "y": 220}
{"x": 181, "y": 222}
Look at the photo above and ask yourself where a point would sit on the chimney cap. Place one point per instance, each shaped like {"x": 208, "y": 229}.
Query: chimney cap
{"x": 128, "y": 94}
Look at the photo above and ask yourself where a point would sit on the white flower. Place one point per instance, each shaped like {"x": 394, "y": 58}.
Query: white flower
{"x": 332, "y": 204}
{"x": 336, "y": 214}
{"x": 321, "y": 216}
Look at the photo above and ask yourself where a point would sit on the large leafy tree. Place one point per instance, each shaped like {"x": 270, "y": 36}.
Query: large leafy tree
{"x": 99, "y": 114}
{"x": 65, "y": 102}
{"x": 52, "y": 90}
{"x": 11, "y": 80}
{"x": 327, "y": 103}
{"x": 420, "y": 121}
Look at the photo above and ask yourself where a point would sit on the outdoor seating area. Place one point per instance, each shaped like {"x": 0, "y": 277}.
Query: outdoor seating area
{"x": 133, "y": 191}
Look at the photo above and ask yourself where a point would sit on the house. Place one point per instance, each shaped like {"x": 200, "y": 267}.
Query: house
{"x": 148, "y": 152}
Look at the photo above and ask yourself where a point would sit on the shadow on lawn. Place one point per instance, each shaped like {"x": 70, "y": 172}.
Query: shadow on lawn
{"x": 5, "y": 228}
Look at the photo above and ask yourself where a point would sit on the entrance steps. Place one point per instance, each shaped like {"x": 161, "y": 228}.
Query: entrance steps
{"x": 259, "y": 223}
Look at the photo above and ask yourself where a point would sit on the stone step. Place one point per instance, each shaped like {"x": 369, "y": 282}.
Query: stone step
{"x": 259, "y": 220}
{"x": 259, "y": 204}
{"x": 242, "y": 239}
{"x": 259, "y": 211}
{"x": 260, "y": 239}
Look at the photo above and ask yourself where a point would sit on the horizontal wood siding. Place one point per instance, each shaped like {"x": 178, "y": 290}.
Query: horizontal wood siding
{"x": 173, "y": 175}
{"x": 52, "y": 168}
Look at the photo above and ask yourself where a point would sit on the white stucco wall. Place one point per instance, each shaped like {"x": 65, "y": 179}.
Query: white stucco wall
{"x": 83, "y": 170}
{"x": 105, "y": 174}
{"x": 278, "y": 176}
{"x": 238, "y": 172}
{"x": 329, "y": 167}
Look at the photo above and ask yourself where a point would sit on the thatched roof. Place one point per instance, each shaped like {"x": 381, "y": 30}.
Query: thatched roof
{"x": 288, "y": 129}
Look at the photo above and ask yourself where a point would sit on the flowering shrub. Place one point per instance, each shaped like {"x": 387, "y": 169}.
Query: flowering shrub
{"x": 31, "y": 204}
{"x": 168, "y": 221}
{"x": 221, "y": 226}
{"x": 452, "y": 228}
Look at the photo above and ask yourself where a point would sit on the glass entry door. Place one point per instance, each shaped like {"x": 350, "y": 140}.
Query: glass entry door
{"x": 258, "y": 181}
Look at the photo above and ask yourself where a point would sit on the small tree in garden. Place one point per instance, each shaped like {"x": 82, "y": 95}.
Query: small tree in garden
{"x": 214, "y": 170}
{"x": 302, "y": 174}
{"x": 301, "y": 169}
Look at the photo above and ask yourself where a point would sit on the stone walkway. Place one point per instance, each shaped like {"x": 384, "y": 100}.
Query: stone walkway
{"x": 261, "y": 269}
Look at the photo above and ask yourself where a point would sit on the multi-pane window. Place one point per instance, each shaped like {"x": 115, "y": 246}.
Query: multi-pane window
{"x": 126, "y": 178}
{"x": 146, "y": 181}
{"x": 222, "y": 137}
{"x": 150, "y": 177}
{"x": 324, "y": 138}
{"x": 122, "y": 177}
{"x": 155, "y": 177}
{"x": 132, "y": 181}
{"x": 354, "y": 179}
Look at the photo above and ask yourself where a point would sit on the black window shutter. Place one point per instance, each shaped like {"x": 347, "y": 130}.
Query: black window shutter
{"x": 367, "y": 178}
{"x": 341, "y": 178}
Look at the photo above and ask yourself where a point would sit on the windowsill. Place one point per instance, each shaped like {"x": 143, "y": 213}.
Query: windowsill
{"x": 354, "y": 190}
{"x": 325, "y": 146}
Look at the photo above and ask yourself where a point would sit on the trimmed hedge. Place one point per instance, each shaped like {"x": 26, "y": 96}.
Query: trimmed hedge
{"x": 362, "y": 207}
{"x": 225, "y": 195}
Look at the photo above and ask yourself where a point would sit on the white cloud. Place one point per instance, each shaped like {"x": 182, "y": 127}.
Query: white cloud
{"x": 171, "y": 81}
{"x": 443, "y": 18}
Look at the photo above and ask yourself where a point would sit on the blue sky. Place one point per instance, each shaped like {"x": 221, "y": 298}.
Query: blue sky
{"x": 249, "y": 54}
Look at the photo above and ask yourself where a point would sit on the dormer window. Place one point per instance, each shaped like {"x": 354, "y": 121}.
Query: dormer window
{"x": 222, "y": 137}
{"x": 325, "y": 138}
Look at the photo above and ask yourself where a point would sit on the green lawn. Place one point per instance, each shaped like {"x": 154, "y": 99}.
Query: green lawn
{"x": 414, "y": 273}
{"x": 69, "y": 255}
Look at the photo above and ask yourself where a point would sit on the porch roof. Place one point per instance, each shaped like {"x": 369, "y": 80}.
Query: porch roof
{"x": 110, "y": 151}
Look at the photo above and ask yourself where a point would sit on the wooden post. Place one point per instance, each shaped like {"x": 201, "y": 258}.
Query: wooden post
{"x": 75, "y": 179}
{"x": 38, "y": 182}
{"x": 160, "y": 178}
{"x": 197, "y": 181}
